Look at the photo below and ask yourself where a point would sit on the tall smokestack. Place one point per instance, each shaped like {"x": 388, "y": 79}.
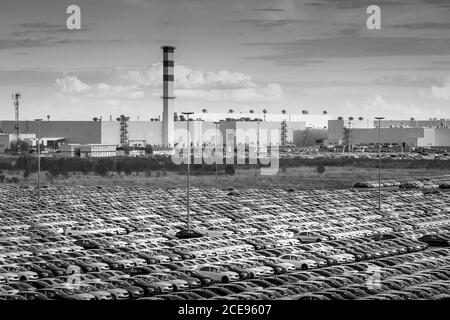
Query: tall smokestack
{"x": 168, "y": 96}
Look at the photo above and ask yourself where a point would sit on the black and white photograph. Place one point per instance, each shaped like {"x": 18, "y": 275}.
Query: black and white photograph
{"x": 253, "y": 152}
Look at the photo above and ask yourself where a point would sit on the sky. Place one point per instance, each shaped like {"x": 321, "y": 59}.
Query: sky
{"x": 294, "y": 55}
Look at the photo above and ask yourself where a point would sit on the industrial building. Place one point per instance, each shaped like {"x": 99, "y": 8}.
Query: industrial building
{"x": 406, "y": 133}
{"x": 72, "y": 137}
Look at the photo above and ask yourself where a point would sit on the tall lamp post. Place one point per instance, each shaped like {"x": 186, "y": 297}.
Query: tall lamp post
{"x": 39, "y": 160}
{"x": 215, "y": 153}
{"x": 379, "y": 161}
{"x": 187, "y": 114}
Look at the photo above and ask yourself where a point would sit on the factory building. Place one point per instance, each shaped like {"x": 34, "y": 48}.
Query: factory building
{"x": 91, "y": 137}
{"x": 341, "y": 133}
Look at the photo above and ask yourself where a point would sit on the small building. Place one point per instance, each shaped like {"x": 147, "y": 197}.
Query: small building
{"x": 4, "y": 142}
{"x": 69, "y": 150}
{"x": 98, "y": 150}
{"x": 137, "y": 153}
{"x": 162, "y": 151}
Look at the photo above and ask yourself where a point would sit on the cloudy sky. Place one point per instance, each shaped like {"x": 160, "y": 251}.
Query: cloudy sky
{"x": 239, "y": 54}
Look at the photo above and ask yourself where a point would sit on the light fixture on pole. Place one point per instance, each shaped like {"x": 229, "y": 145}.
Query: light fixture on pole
{"x": 215, "y": 154}
{"x": 379, "y": 161}
{"x": 187, "y": 114}
{"x": 39, "y": 160}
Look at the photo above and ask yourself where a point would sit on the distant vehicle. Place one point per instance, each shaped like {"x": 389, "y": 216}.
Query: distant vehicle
{"x": 308, "y": 237}
{"x": 188, "y": 234}
{"x": 436, "y": 240}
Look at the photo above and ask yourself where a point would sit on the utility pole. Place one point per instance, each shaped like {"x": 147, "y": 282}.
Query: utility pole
{"x": 39, "y": 160}
{"x": 379, "y": 161}
{"x": 188, "y": 172}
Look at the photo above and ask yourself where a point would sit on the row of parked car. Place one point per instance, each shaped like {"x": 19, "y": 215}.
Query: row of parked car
{"x": 97, "y": 243}
{"x": 441, "y": 182}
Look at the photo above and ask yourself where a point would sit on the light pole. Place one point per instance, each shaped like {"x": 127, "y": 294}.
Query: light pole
{"x": 379, "y": 161}
{"x": 257, "y": 141}
{"x": 215, "y": 153}
{"x": 188, "y": 172}
{"x": 39, "y": 160}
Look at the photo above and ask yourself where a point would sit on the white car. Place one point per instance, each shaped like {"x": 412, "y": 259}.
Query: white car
{"x": 10, "y": 276}
{"x": 298, "y": 262}
{"x": 23, "y": 273}
{"x": 218, "y": 273}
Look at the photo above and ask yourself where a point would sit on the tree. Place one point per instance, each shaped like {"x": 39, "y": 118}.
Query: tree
{"x": 148, "y": 149}
{"x": 230, "y": 111}
{"x": 205, "y": 110}
{"x": 360, "y": 118}
{"x": 325, "y": 112}
{"x": 264, "y": 112}
{"x": 340, "y": 118}
{"x": 252, "y": 111}
{"x": 283, "y": 111}
{"x": 48, "y": 117}
{"x": 96, "y": 119}
{"x": 321, "y": 169}
{"x": 351, "y": 118}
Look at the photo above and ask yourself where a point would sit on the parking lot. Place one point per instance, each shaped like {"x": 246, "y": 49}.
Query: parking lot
{"x": 118, "y": 243}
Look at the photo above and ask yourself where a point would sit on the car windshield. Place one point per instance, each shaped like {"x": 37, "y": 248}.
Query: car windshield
{"x": 67, "y": 291}
{"x": 21, "y": 269}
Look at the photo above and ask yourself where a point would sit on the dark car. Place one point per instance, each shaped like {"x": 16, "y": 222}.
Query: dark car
{"x": 437, "y": 240}
{"x": 149, "y": 289}
{"x": 188, "y": 234}
{"x": 88, "y": 244}
{"x": 57, "y": 271}
{"x": 135, "y": 292}
{"x": 33, "y": 295}
{"x": 205, "y": 280}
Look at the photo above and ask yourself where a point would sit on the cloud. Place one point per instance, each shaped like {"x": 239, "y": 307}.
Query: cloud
{"x": 186, "y": 78}
{"x": 189, "y": 84}
{"x": 413, "y": 80}
{"x": 349, "y": 47}
{"x": 272, "y": 22}
{"x": 271, "y": 9}
{"x": 424, "y": 25}
{"x": 212, "y": 86}
{"x": 441, "y": 92}
{"x": 71, "y": 84}
{"x": 377, "y": 105}
{"x": 107, "y": 91}
{"x": 356, "y": 4}
{"x": 270, "y": 93}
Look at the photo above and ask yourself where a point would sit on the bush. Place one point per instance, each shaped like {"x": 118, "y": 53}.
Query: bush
{"x": 101, "y": 168}
{"x": 229, "y": 169}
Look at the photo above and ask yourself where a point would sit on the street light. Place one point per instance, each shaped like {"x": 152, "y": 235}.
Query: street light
{"x": 215, "y": 153}
{"x": 39, "y": 160}
{"x": 379, "y": 161}
{"x": 187, "y": 114}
